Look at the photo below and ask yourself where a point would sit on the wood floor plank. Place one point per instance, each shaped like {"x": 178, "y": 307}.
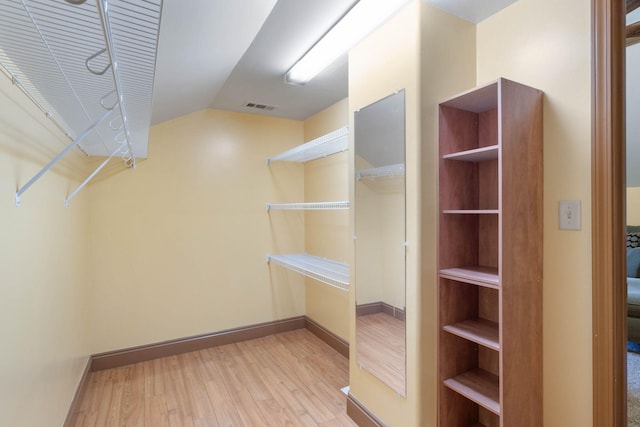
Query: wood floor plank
{"x": 196, "y": 390}
{"x": 275, "y": 414}
{"x": 176, "y": 392}
{"x": 248, "y": 409}
{"x": 114, "y": 409}
{"x": 156, "y": 413}
{"x": 133, "y": 395}
{"x": 219, "y": 397}
{"x": 288, "y": 379}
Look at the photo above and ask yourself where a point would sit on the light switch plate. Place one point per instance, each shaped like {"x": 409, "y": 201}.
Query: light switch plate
{"x": 570, "y": 214}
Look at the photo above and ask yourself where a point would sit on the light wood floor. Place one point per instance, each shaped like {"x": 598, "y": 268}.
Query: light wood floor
{"x": 288, "y": 379}
{"x": 380, "y": 345}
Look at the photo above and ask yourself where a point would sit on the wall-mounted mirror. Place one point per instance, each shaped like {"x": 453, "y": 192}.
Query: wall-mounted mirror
{"x": 379, "y": 209}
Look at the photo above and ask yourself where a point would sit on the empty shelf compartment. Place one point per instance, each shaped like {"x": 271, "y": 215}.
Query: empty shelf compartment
{"x": 482, "y": 276}
{"x": 471, "y": 211}
{"x": 481, "y": 154}
{"x": 480, "y": 331}
{"x": 478, "y": 386}
{"x": 330, "y": 272}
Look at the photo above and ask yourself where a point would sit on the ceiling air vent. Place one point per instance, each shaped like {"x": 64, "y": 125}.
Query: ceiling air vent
{"x": 259, "y": 106}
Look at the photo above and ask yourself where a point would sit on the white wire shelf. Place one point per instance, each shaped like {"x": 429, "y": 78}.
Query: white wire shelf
{"x": 382, "y": 171}
{"x": 331, "y": 143}
{"x": 87, "y": 67}
{"x": 329, "y": 272}
{"x": 309, "y": 206}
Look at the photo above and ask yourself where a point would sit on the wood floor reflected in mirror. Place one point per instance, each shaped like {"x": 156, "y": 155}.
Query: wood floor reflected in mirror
{"x": 381, "y": 348}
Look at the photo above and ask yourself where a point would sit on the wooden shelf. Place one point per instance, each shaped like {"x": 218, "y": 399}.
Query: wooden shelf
{"x": 478, "y": 386}
{"x": 481, "y": 276}
{"x": 471, "y": 211}
{"x": 482, "y": 154}
{"x": 490, "y": 156}
{"x": 481, "y": 331}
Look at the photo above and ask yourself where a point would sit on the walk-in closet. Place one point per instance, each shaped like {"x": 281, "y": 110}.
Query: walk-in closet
{"x": 295, "y": 212}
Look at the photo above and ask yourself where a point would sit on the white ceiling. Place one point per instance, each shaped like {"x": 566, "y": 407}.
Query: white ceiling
{"x": 472, "y": 10}
{"x": 200, "y": 43}
{"x": 224, "y": 53}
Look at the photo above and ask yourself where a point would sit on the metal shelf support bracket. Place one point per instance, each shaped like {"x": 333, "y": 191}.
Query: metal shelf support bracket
{"x": 60, "y": 155}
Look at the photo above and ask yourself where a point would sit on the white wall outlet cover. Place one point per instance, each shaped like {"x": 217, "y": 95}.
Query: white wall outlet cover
{"x": 570, "y": 214}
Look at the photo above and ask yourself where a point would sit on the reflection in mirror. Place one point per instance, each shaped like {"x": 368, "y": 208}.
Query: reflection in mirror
{"x": 379, "y": 208}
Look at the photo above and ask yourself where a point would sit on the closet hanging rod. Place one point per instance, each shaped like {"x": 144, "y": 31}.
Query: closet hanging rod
{"x": 60, "y": 156}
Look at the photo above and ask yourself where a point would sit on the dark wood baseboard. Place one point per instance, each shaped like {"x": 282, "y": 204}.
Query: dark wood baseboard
{"x": 360, "y": 414}
{"x": 70, "y": 421}
{"x": 114, "y": 359}
{"x": 331, "y": 339}
{"x": 380, "y": 307}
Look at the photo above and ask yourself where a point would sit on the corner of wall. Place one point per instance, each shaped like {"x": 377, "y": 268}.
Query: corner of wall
{"x": 327, "y": 232}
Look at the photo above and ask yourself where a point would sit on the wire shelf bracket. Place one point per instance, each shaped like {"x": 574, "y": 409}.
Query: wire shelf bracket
{"x": 331, "y": 143}
{"x": 90, "y": 177}
{"x": 60, "y": 155}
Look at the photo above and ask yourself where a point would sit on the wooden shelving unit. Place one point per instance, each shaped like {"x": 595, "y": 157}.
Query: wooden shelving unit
{"x": 490, "y": 257}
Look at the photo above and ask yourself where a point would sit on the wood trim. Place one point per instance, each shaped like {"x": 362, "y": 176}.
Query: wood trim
{"x": 369, "y": 308}
{"x": 381, "y": 307}
{"x": 360, "y": 414}
{"x": 74, "y": 408}
{"x": 632, "y": 5}
{"x": 608, "y": 203}
{"x": 331, "y": 339}
{"x": 632, "y": 30}
{"x": 143, "y": 353}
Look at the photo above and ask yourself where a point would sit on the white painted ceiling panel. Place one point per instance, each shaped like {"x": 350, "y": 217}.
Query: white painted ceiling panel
{"x": 471, "y": 10}
{"x": 201, "y": 41}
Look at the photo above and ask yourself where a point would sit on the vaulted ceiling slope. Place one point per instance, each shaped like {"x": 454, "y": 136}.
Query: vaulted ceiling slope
{"x": 200, "y": 43}
{"x": 224, "y": 54}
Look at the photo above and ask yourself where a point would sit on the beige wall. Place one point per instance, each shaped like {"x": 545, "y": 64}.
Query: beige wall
{"x": 384, "y": 62}
{"x": 633, "y": 205}
{"x": 432, "y": 55}
{"x": 43, "y": 270}
{"x": 448, "y": 65}
{"x": 327, "y": 232}
{"x": 546, "y": 44}
{"x": 179, "y": 243}
{"x": 379, "y": 209}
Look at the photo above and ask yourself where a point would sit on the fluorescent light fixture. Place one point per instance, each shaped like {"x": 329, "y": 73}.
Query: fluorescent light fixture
{"x": 361, "y": 20}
